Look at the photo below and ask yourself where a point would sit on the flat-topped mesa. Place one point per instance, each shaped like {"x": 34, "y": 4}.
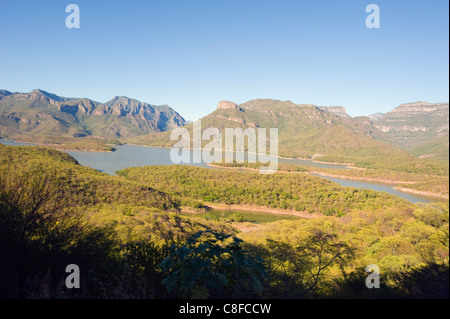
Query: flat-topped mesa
{"x": 228, "y": 105}
{"x": 420, "y": 107}
{"x": 431, "y": 118}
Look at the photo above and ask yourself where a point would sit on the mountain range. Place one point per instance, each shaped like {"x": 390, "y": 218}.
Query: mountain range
{"x": 305, "y": 130}
{"x": 310, "y": 131}
{"x": 42, "y": 113}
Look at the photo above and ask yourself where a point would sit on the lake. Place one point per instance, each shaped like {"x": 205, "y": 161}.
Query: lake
{"x": 383, "y": 188}
{"x": 135, "y": 156}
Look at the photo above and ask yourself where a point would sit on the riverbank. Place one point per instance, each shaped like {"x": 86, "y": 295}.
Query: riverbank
{"x": 98, "y": 148}
{"x": 422, "y": 193}
{"x": 397, "y": 184}
{"x": 363, "y": 179}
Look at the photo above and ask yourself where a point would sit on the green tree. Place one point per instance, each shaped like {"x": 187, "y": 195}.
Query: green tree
{"x": 212, "y": 265}
{"x": 41, "y": 233}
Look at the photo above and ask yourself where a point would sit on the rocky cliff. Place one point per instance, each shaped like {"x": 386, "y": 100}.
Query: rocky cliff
{"x": 40, "y": 112}
{"x": 414, "y": 125}
{"x": 337, "y": 110}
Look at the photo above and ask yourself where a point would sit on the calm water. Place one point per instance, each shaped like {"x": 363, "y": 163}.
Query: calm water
{"x": 125, "y": 156}
{"x": 384, "y": 188}
{"x": 135, "y": 156}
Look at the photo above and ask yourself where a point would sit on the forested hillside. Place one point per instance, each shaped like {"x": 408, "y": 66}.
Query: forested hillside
{"x": 130, "y": 239}
{"x": 298, "y": 192}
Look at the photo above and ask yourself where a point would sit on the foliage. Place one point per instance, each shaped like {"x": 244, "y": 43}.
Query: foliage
{"x": 230, "y": 216}
{"x": 84, "y": 186}
{"x": 130, "y": 240}
{"x": 93, "y": 144}
{"x": 436, "y": 183}
{"x": 299, "y": 192}
{"x": 298, "y": 270}
{"x": 408, "y": 246}
{"x": 212, "y": 265}
{"x": 41, "y": 233}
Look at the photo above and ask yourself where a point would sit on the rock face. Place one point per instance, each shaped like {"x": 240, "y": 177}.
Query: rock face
{"x": 224, "y": 105}
{"x": 119, "y": 117}
{"x": 420, "y": 107}
{"x": 413, "y": 124}
{"x": 337, "y": 110}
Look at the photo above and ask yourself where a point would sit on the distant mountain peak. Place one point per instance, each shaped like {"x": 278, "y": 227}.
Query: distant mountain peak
{"x": 4, "y": 93}
{"x": 117, "y": 99}
{"x": 39, "y": 91}
{"x": 376, "y": 116}
{"x": 224, "y": 105}
{"x": 337, "y": 110}
{"x": 47, "y": 94}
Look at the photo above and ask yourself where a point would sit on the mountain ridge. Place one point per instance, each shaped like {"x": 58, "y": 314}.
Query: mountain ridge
{"x": 419, "y": 127}
{"x": 305, "y": 130}
{"x": 41, "y": 112}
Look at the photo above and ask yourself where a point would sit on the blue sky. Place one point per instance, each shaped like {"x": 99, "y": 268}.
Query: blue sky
{"x": 191, "y": 54}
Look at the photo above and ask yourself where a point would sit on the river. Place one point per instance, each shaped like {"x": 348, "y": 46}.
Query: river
{"x": 135, "y": 156}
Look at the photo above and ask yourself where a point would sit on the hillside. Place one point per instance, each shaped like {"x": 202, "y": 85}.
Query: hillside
{"x": 306, "y": 131}
{"x": 420, "y": 127}
{"x": 83, "y": 186}
{"x": 436, "y": 148}
{"x": 299, "y": 125}
{"x": 40, "y": 113}
{"x": 127, "y": 233}
{"x": 300, "y": 192}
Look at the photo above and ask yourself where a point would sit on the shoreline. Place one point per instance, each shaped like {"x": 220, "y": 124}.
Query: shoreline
{"x": 233, "y": 168}
{"x": 55, "y": 146}
{"x": 363, "y": 179}
{"x": 386, "y": 182}
{"x": 397, "y": 184}
{"x": 417, "y": 192}
{"x": 348, "y": 165}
